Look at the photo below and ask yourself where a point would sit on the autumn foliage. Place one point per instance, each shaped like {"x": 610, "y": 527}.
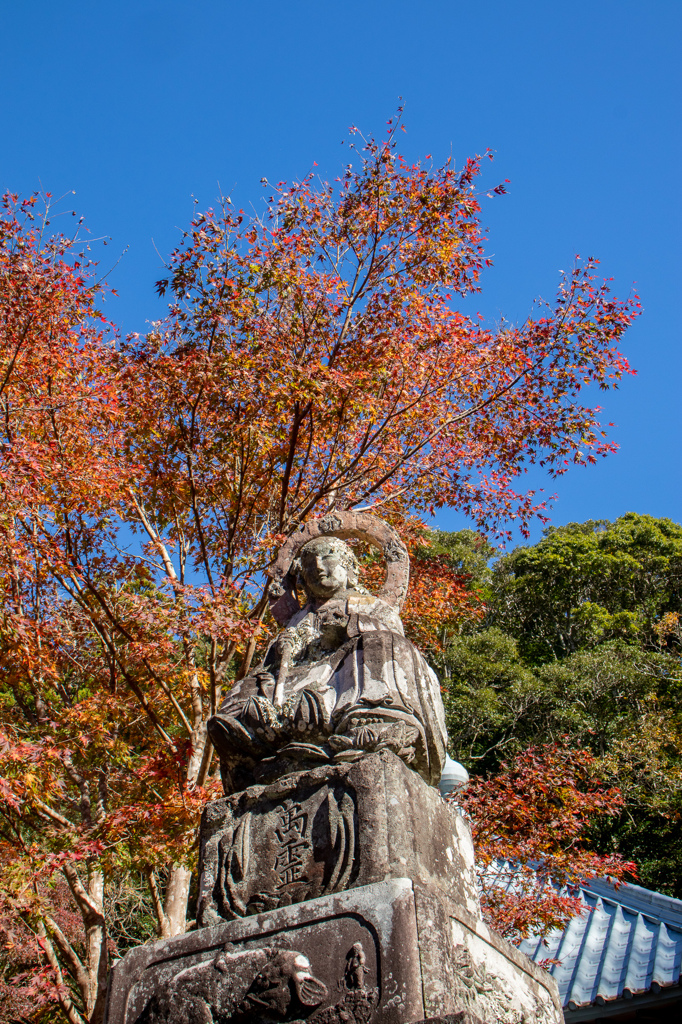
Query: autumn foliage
{"x": 531, "y": 824}
{"x": 440, "y": 597}
{"x": 312, "y": 358}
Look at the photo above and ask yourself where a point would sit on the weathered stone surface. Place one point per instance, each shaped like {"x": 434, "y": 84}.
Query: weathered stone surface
{"x": 359, "y": 950}
{"x": 331, "y": 828}
{"x": 468, "y": 967}
{"x": 342, "y": 678}
{"x": 336, "y": 886}
{"x": 364, "y": 527}
{"x": 366, "y": 956}
{"x": 453, "y": 1018}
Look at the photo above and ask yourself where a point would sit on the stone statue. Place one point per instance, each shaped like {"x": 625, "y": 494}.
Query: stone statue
{"x": 341, "y": 679}
{"x": 336, "y": 886}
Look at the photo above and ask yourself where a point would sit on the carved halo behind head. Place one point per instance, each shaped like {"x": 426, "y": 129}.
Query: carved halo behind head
{"x": 365, "y": 527}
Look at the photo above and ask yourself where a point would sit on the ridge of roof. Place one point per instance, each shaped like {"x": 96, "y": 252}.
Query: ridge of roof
{"x": 638, "y": 898}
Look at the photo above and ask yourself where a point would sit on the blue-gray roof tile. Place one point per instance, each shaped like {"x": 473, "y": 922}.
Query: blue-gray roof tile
{"x": 627, "y": 941}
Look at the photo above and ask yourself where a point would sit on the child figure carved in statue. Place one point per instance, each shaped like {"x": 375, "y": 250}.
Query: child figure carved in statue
{"x": 341, "y": 679}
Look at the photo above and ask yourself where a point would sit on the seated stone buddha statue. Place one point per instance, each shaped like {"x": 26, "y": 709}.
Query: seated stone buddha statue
{"x": 340, "y": 679}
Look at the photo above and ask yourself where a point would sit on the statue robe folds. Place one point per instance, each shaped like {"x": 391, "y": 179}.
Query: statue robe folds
{"x": 353, "y": 683}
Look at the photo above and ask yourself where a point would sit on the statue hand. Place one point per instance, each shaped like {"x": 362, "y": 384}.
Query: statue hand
{"x": 265, "y": 682}
{"x": 294, "y": 639}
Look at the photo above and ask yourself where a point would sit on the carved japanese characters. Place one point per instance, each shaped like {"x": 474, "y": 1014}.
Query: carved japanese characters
{"x": 277, "y": 855}
{"x": 319, "y": 832}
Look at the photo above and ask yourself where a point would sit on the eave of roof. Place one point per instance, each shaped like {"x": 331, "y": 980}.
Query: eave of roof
{"x": 622, "y": 953}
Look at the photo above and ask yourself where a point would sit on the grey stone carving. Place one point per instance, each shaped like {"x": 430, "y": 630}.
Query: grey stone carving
{"x": 261, "y": 985}
{"x": 250, "y": 985}
{"x": 357, "y": 1003}
{"x": 345, "y": 525}
{"x": 330, "y": 523}
{"x": 335, "y": 884}
{"x": 386, "y": 953}
{"x": 268, "y": 984}
{"x": 480, "y": 989}
{"x": 328, "y": 829}
{"x": 341, "y": 679}
{"x": 295, "y": 850}
{"x": 462, "y": 1017}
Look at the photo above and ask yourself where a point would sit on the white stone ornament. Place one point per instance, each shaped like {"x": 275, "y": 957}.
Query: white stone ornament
{"x": 454, "y": 778}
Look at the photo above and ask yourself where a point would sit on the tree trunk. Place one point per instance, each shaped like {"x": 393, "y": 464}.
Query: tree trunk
{"x": 177, "y": 893}
{"x": 199, "y": 741}
{"x": 177, "y": 890}
{"x": 96, "y": 937}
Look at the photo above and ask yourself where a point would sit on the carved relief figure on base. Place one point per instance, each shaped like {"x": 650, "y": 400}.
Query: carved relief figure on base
{"x": 341, "y": 678}
{"x": 261, "y": 986}
{"x": 266, "y": 984}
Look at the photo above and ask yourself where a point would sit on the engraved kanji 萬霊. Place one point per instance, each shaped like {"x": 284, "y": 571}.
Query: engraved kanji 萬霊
{"x": 291, "y": 859}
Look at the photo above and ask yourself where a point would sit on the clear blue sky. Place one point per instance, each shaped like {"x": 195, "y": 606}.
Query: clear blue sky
{"x": 138, "y": 106}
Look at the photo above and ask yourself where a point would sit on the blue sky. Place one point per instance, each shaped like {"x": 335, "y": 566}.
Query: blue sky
{"x": 140, "y": 106}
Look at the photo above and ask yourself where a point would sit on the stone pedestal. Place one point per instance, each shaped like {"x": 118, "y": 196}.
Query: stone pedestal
{"x": 330, "y": 829}
{"x": 340, "y": 894}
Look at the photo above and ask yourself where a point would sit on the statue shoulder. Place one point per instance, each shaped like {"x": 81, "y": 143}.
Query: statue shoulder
{"x": 367, "y": 606}
{"x": 303, "y": 613}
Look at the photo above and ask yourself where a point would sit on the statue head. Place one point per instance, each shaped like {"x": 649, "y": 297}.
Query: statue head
{"x": 325, "y": 534}
{"x": 326, "y": 566}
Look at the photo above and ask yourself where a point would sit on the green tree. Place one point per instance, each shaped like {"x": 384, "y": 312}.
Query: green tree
{"x": 586, "y": 583}
{"x": 493, "y": 702}
{"x": 580, "y": 644}
{"x": 467, "y": 551}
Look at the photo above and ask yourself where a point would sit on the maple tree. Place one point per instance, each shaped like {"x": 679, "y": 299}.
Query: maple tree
{"x": 311, "y": 359}
{"x": 531, "y": 824}
{"x": 440, "y": 597}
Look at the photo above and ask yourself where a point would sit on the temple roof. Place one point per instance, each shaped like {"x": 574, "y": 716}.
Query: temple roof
{"x": 621, "y": 956}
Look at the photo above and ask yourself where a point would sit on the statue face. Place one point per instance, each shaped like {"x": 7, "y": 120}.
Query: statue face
{"x": 323, "y": 570}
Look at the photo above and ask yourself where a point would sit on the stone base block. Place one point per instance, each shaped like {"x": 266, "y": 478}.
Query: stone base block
{"x": 467, "y": 967}
{"x": 339, "y": 826}
{"x": 391, "y": 952}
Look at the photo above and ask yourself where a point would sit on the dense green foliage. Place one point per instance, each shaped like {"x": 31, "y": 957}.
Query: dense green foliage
{"x": 580, "y": 644}
{"x": 587, "y": 583}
